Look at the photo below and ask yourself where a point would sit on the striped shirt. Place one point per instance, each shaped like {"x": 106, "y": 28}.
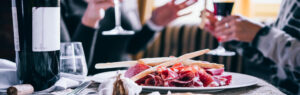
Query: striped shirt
{"x": 281, "y": 44}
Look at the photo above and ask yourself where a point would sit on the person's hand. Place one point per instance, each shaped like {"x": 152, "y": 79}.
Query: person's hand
{"x": 95, "y": 12}
{"x": 210, "y": 20}
{"x": 167, "y": 13}
{"x": 237, "y": 28}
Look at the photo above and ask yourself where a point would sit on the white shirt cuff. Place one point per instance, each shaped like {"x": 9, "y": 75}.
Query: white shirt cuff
{"x": 153, "y": 26}
{"x": 274, "y": 40}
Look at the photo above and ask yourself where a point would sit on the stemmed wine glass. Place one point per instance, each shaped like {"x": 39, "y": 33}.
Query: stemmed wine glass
{"x": 118, "y": 30}
{"x": 222, "y": 8}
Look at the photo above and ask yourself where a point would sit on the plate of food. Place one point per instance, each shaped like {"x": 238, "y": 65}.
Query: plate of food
{"x": 180, "y": 74}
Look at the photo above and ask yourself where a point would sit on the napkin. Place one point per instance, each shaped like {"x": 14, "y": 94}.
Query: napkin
{"x": 106, "y": 88}
{"x": 8, "y": 69}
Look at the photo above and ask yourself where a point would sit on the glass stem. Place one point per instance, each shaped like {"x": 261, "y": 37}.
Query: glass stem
{"x": 220, "y": 47}
{"x": 117, "y": 13}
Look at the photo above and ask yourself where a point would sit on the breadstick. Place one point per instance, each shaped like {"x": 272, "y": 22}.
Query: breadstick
{"x": 203, "y": 64}
{"x": 148, "y": 61}
{"x": 169, "y": 63}
{"x": 115, "y": 64}
{"x": 209, "y": 65}
{"x": 156, "y": 61}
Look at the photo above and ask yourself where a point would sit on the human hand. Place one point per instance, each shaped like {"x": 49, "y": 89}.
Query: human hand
{"x": 209, "y": 20}
{"x": 95, "y": 12}
{"x": 167, "y": 13}
{"x": 237, "y": 28}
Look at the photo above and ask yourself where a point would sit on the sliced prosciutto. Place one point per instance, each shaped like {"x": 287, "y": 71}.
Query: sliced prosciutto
{"x": 215, "y": 71}
{"x": 168, "y": 74}
{"x": 224, "y": 79}
{"x": 179, "y": 75}
{"x": 135, "y": 70}
{"x": 206, "y": 78}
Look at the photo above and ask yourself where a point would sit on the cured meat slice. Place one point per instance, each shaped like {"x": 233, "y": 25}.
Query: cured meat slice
{"x": 168, "y": 74}
{"x": 197, "y": 83}
{"x": 179, "y": 83}
{"x": 215, "y": 71}
{"x": 186, "y": 76}
{"x": 135, "y": 70}
{"x": 142, "y": 80}
{"x": 206, "y": 79}
{"x": 150, "y": 80}
{"x": 228, "y": 79}
{"x": 159, "y": 81}
{"x": 223, "y": 79}
{"x": 177, "y": 67}
{"x": 185, "y": 79}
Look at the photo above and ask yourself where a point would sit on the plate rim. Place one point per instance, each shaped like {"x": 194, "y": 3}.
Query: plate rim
{"x": 254, "y": 82}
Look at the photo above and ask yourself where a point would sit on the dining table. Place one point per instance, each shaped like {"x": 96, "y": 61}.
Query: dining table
{"x": 260, "y": 88}
{"x": 257, "y": 86}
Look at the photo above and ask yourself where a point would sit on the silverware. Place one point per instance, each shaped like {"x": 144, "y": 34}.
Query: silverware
{"x": 80, "y": 88}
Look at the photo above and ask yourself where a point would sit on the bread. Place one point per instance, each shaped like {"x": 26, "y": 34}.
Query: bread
{"x": 203, "y": 64}
{"x": 169, "y": 63}
{"x": 148, "y": 61}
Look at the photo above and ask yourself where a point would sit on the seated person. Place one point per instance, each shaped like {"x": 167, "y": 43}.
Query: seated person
{"x": 279, "y": 42}
{"x": 86, "y": 15}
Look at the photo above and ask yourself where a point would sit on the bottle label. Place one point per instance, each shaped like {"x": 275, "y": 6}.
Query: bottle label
{"x": 45, "y": 28}
{"x": 16, "y": 29}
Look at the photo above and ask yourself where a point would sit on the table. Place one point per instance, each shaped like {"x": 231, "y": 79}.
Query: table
{"x": 262, "y": 88}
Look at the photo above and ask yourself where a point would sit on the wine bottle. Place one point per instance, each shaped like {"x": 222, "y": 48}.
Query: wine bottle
{"x": 36, "y": 26}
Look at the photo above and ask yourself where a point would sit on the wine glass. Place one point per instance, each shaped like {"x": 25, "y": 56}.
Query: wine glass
{"x": 72, "y": 61}
{"x": 222, "y": 8}
{"x": 118, "y": 30}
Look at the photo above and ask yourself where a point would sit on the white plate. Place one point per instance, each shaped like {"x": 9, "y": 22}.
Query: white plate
{"x": 238, "y": 81}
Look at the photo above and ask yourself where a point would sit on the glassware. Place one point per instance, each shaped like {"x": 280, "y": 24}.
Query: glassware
{"x": 72, "y": 60}
{"x": 222, "y": 8}
{"x": 118, "y": 30}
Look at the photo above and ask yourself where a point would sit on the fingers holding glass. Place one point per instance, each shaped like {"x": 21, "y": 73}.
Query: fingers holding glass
{"x": 227, "y": 19}
{"x": 223, "y": 28}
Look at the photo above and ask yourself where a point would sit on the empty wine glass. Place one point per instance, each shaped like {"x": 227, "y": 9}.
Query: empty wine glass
{"x": 118, "y": 30}
{"x": 72, "y": 60}
{"x": 222, "y": 8}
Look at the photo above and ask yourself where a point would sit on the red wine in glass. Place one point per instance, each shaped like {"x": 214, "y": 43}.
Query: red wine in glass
{"x": 222, "y": 8}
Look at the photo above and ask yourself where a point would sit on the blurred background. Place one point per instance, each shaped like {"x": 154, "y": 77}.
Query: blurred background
{"x": 260, "y": 10}
{"x": 6, "y": 31}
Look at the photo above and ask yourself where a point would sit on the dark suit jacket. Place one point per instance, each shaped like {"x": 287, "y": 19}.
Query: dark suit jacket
{"x": 99, "y": 48}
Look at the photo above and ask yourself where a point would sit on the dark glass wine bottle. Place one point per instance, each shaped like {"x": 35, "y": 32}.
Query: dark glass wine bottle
{"x": 37, "y": 41}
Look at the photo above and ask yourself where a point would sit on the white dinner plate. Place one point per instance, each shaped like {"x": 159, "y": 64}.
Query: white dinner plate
{"x": 238, "y": 81}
